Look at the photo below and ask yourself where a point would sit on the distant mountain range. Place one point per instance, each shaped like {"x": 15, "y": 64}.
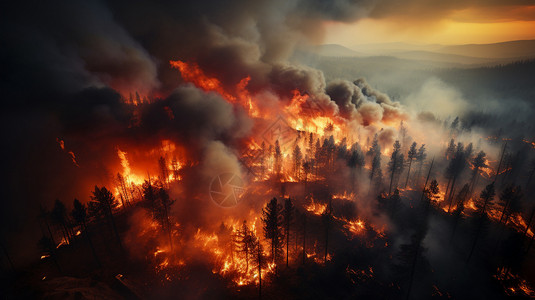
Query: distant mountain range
{"x": 469, "y": 54}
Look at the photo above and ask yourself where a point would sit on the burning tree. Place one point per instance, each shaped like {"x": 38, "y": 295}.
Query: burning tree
{"x": 157, "y": 201}
{"x": 246, "y": 242}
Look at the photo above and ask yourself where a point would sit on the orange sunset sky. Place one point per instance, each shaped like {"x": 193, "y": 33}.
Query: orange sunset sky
{"x": 427, "y": 22}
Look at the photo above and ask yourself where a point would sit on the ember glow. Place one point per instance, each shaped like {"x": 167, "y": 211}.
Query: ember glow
{"x": 209, "y": 150}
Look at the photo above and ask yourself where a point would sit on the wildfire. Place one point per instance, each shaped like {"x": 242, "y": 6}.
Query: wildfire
{"x": 192, "y": 73}
{"x": 316, "y": 208}
{"x": 514, "y": 285}
{"x": 355, "y": 227}
{"x": 528, "y": 142}
{"x": 63, "y": 242}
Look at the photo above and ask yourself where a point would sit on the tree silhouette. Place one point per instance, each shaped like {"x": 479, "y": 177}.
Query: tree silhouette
{"x": 259, "y": 260}
{"x": 246, "y": 242}
{"x": 376, "y": 174}
{"x": 272, "y": 219}
{"x": 102, "y": 204}
{"x": 477, "y": 163}
{"x": 487, "y": 195}
{"x": 411, "y": 155}
{"x": 59, "y": 216}
{"x": 395, "y": 165}
{"x": 79, "y": 215}
{"x": 375, "y": 148}
{"x": 355, "y": 160}
{"x": 432, "y": 191}
{"x": 455, "y": 168}
{"x": 156, "y": 200}
{"x": 510, "y": 198}
{"x": 420, "y": 158}
{"x": 288, "y": 214}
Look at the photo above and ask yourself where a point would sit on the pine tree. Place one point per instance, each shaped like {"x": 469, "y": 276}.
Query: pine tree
{"x": 454, "y": 170}
{"x": 396, "y": 163}
{"x": 477, "y": 163}
{"x": 420, "y": 158}
{"x": 273, "y": 231}
{"x": 376, "y": 174}
{"x": 246, "y": 242}
{"x": 510, "y": 198}
{"x": 102, "y": 204}
{"x": 487, "y": 195}
{"x": 375, "y": 148}
{"x": 413, "y": 152}
{"x": 79, "y": 215}
{"x": 433, "y": 191}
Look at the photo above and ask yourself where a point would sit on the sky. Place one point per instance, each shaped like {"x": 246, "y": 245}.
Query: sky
{"x": 480, "y": 23}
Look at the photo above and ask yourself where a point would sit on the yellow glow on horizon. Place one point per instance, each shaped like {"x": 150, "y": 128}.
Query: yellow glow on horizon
{"x": 447, "y": 32}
